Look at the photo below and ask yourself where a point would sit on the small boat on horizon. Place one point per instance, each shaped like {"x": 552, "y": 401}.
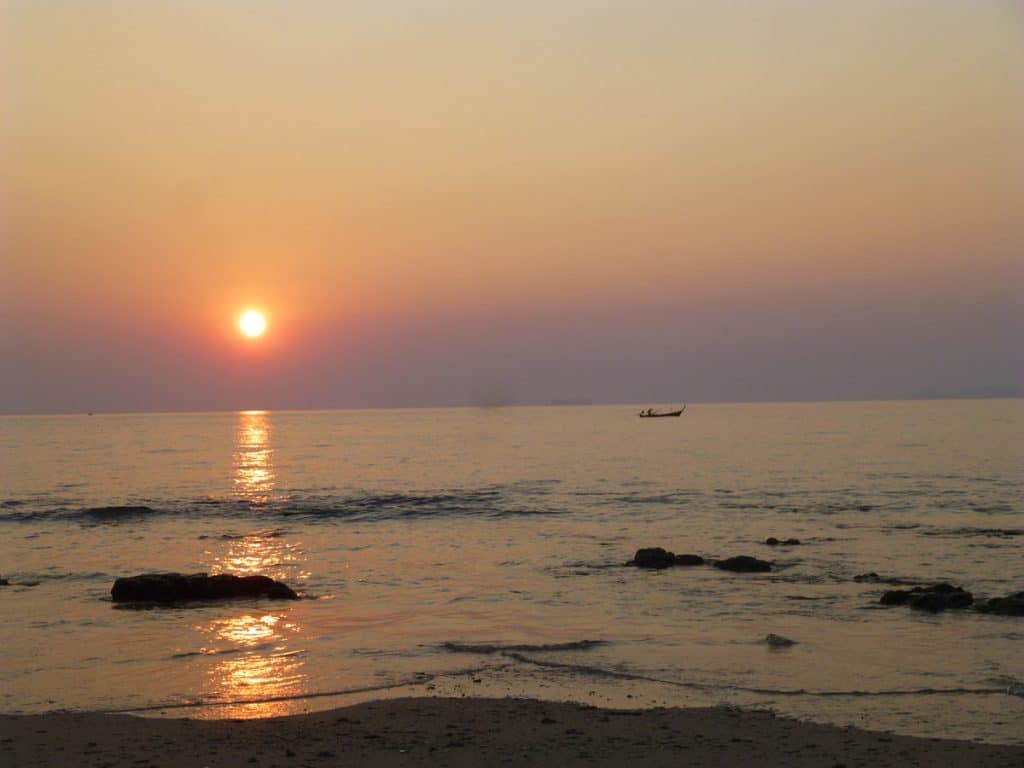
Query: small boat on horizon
{"x": 650, "y": 413}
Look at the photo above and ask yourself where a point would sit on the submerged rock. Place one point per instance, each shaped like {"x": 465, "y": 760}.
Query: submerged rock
{"x": 1011, "y": 605}
{"x": 778, "y": 641}
{"x": 771, "y": 541}
{"x": 874, "y": 578}
{"x": 3, "y": 582}
{"x": 744, "y": 564}
{"x": 867, "y": 578}
{"x": 177, "y": 587}
{"x": 936, "y": 598}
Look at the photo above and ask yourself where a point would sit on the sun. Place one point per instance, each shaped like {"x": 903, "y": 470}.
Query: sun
{"x": 252, "y": 323}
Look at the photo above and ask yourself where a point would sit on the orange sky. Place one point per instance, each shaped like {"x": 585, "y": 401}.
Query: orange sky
{"x": 534, "y": 175}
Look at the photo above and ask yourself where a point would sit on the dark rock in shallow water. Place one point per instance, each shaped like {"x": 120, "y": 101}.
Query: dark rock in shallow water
{"x": 936, "y": 598}
{"x": 1011, "y": 605}
{"x": 3, "y": 582}
{"x": 656, "y": 557}
{"x": 689, "y": 560}
{"x": 744, "y": 564}
{"x": 941, "y": 601}
{"x": 653, "y": 557}
{"x": 177, "y": 587}
{"x": 771, "y": 541}
{"x": 895, "y": 597}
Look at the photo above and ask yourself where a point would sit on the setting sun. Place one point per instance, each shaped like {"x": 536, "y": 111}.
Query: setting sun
{"x": 252, "y": 323}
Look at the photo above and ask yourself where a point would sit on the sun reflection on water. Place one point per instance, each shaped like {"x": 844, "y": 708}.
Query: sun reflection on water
{"x": 256, "y": 653}
{"x": 254, "y": 469}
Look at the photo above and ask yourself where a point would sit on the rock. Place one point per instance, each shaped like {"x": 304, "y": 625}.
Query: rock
{"x": 778, "y": 641}
{"x": 895, "y": 597}
{"x": 936, "y": 602}
{"x": 1011, "y": 605}
{"x": 689, "y": 560}
{"x": 771, "y": 541}
{"x": 177, "y": 587}
{"x": 936, "y": 598}
{"x": 656, "y": 557}
{"x": 4, "y": 582}
{"x": 744, "y": 564}
{"x": 653, "y": 557}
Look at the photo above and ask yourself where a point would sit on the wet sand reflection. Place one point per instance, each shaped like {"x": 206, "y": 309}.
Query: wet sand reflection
{"x": 259, "y": 663}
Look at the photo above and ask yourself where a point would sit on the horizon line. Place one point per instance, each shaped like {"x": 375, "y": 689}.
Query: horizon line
{"x": 494, "y": 406}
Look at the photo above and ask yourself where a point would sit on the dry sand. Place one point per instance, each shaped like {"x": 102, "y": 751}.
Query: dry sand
{"x": 474, "y": 732}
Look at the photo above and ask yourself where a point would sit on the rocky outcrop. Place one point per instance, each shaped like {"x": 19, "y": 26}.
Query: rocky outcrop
{"x": 176, "y": 587}
{"x": 936, "y": 598}
{"x": 744, "y": 564}
{"x": 771, "y": 541}
{"x": 1011, "y": 605}
{"x": 658, "y": 558}
{"x": 653, "y": 557}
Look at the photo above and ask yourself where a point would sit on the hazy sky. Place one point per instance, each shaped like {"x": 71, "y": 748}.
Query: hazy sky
{"x": 441, "y": 202}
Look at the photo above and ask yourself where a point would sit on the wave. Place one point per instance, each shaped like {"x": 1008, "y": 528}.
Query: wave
{"x": 489, "y": 648}
{"x": 972, "y": 532}
{"x": 595, "y": 671}
{"x": 514, "y": 500}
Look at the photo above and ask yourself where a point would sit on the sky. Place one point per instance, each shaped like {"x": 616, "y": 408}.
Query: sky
{"x": 471, "y": 203}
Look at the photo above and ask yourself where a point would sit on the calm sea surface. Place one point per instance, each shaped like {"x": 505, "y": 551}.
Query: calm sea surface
{"x": 474, "y": 551}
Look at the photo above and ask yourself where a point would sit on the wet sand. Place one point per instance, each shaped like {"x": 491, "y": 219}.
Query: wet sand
{"x": 467, "y": 732}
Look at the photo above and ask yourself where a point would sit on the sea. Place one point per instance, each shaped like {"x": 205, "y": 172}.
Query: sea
{"x": 483, "y": 551}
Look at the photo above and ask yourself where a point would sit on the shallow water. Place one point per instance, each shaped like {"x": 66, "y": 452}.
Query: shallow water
{"x": 473, "y": 550}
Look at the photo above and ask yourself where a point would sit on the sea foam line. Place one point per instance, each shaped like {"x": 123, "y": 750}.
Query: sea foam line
{"x": 600, "y": 672}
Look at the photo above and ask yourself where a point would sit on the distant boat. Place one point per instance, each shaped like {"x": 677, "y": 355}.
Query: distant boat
{"x": 650, "y": 413}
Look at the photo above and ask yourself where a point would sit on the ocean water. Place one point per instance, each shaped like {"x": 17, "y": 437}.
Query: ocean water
{"x": 481, "y": 551}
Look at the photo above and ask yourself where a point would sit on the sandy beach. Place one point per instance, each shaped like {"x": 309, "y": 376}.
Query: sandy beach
{"x": 468, "y": 731}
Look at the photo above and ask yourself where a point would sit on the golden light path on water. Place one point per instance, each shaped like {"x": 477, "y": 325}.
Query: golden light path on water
{"x": 253, "y": 457}
{"x": 260, "y": 660}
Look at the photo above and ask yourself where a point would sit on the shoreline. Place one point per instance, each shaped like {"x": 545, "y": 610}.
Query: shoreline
{"x": 461, "y": 731}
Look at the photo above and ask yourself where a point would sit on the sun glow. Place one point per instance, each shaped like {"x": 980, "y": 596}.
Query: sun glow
{"x": 252, "y": 323}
